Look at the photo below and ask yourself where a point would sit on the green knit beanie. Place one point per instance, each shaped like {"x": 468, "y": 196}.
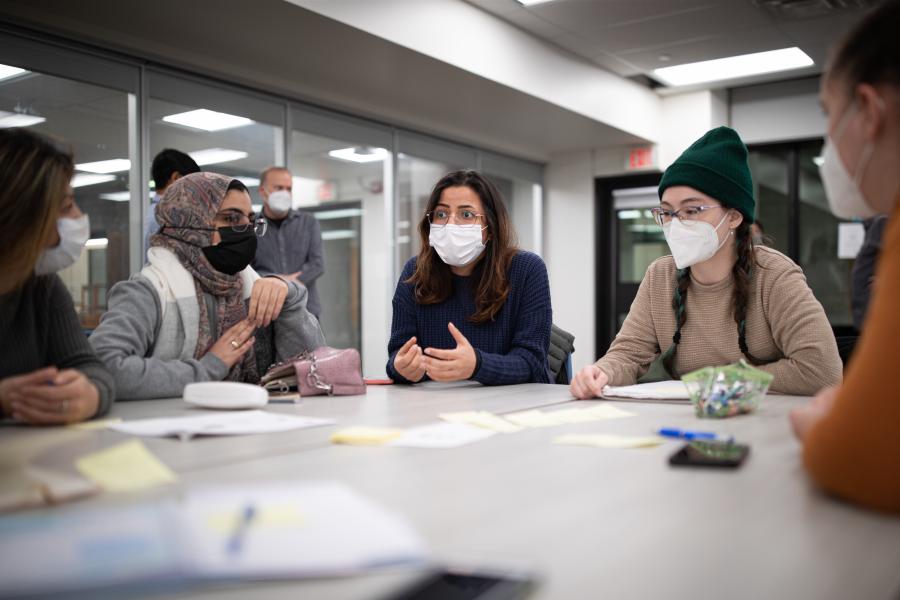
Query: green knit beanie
{"x": 716, "y": 164}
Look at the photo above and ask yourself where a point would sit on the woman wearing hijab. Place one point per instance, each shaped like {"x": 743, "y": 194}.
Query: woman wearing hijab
{"x": 197, "y": 311}
{"x": 48, "y": 373}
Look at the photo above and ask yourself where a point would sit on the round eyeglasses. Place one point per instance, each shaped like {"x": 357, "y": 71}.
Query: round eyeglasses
{"x": 465, "y": 217}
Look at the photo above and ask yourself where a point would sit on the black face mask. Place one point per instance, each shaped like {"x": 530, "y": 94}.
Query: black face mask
{"x": 236, "y": 250}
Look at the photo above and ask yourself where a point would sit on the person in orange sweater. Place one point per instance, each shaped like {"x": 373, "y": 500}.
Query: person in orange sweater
{"x": 851, "y": 434}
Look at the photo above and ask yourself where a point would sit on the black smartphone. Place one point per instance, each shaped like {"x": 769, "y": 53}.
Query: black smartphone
{"x": 469, "y": 585}
{"x": 700, "y": 453}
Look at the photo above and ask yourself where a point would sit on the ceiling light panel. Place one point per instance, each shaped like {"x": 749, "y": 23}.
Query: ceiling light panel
{"x": 207, "y": 120}
{"x": 14, "y": 119}
{"x": 733, "y": 67}
{"x": 214, "y": 156}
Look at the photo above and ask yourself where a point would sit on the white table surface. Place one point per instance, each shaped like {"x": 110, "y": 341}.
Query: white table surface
{"x": 591, "y": 522}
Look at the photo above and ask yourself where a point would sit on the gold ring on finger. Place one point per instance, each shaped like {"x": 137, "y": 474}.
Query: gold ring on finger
{"x": 235, "y": 344}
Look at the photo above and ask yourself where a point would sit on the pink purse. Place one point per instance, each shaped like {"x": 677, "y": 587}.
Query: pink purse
{"x": 325, "y": 370}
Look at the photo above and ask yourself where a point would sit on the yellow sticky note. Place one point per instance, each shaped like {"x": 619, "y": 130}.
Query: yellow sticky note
{"x": 125, "y": 467}
{"x": 483, "y": 419}
{"x": 360, "y": 435}
{"x": 604, "y": 440}
{"x": 608, "y": 411}
{"x": 94, "y": 425}
{"x": 533, "y": 418}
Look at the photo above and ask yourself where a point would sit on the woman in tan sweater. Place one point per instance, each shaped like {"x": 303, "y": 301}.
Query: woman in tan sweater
{"x": 851, "y": 434}
{"x": 718, "y": 298}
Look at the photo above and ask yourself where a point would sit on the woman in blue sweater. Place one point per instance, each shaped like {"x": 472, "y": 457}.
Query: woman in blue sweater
{"x": 471, "y": 305}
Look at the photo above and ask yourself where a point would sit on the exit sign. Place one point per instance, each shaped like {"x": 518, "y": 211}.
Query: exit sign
{"x": 639, "y": 158}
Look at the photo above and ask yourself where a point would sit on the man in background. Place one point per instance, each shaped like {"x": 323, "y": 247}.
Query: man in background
{"x": 168, "y": 166}
{"x": 292, "y": 245}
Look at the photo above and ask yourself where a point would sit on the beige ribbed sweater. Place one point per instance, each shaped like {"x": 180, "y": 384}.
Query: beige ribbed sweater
{"x": 786, "y": 327}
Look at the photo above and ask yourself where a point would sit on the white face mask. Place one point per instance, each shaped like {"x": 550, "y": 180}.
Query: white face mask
{"x": 692, "y": 242}
{"x": 73, "y": 235}
{"x": 280, "y": 202}
{"x": 844, "y": 193}
{"x": 455, "y": 244}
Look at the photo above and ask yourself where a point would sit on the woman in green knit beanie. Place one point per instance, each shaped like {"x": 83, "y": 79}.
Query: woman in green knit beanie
{"x": 718, "y": 298}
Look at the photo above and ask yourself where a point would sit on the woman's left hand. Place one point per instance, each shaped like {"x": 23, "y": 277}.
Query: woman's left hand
{"x": 67, "y": 397}
{"x": 804, "y": 418}
{"x": 451, "y": 365}
{"x": 266, "y": 300}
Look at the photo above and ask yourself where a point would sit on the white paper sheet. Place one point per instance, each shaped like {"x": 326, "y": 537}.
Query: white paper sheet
{"x": 243, "y": 422}
{"x": 850, "y": 239}
{"x": 441, "y": 435}
{"x": 299, "y": 530}
{"x": 659, "y": 390}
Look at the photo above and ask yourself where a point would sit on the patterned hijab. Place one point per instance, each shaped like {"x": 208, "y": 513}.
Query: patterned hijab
{"x": 194, "y": 201}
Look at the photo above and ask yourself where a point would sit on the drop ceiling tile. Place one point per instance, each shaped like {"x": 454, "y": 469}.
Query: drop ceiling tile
{"x": 744, "y": 42}
{"x": 588, "y": 15}
{"x": 497, "y": 7}
{"x": 534, "y": 24}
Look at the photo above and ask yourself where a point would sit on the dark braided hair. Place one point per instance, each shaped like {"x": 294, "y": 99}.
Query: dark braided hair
{"x": 741, "y": 273}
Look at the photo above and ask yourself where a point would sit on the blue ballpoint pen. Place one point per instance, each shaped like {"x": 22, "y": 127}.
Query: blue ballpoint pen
{"x": 236, "y": 540}
{"x": 693, "y": 435}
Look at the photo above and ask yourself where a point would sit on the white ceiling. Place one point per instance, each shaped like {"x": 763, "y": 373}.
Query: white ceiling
{"x": 633, "y": 37}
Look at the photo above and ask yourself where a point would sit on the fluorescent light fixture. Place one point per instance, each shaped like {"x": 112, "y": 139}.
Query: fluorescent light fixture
{"x": 117, "y": 196}
{"x": 360, "y": 154}
{"x": 250, "y": 182}
{"x": 214, "y": 156}
{"x": 83, "y": 179}
{"x": 14, "y": 119}
{"x": 207, "y": 120}
{"x": 97, "y": 244}
{"x": 114, "y": 165}
{"x": 338, "y": 234}
{"x": 7, "y": 71}
{"x": 629, "y": 214}
{"x": 734, "y": 66}
{"x": 532, "y": 2}
{"x": 818, "y": 160}
{"x": 340, "y": 213}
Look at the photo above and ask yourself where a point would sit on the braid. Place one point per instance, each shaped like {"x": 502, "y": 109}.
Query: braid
{"x": 741, "y": 274}
{"x": 683, "y": 281}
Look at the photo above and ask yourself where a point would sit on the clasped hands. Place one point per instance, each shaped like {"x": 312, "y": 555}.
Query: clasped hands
{"x": 457, "y": 364}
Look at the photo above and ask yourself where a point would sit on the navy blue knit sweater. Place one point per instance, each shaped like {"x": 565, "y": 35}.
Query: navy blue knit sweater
{"x": 510, "y": 349}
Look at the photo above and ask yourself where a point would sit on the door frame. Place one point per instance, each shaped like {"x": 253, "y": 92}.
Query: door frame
{"x": 606, "y": 276}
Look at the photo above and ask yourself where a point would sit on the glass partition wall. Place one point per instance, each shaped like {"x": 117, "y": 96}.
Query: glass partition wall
{"x": 366, "y": 182}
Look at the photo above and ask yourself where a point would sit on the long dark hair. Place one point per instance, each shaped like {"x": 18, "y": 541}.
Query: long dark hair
{"x": 433, "y": 279}
{"x": 34, "y": 175}
{"x": 742, "y": 273}
{"x": 870, "y": 53}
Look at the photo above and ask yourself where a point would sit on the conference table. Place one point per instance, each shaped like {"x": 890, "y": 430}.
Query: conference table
{"x": 586, "y": 522}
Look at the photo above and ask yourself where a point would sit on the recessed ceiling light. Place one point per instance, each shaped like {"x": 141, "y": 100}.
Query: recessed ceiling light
{"x": 214, "y": 156}
{"x": 250, "y": 182}
{"x": 117, "y": 196}
{"x": 734, "y": 66}
{"x": 532, "y": 2}
{"x": 7, "y": 71}
{"x": 114, "y": 165}
{"x": 14, "y": 119}
{"x": 83, "y": 179}
{"x": 207, "y": 120}
{"x": 360, "y": 154}
{"x": 96, "y": 243}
